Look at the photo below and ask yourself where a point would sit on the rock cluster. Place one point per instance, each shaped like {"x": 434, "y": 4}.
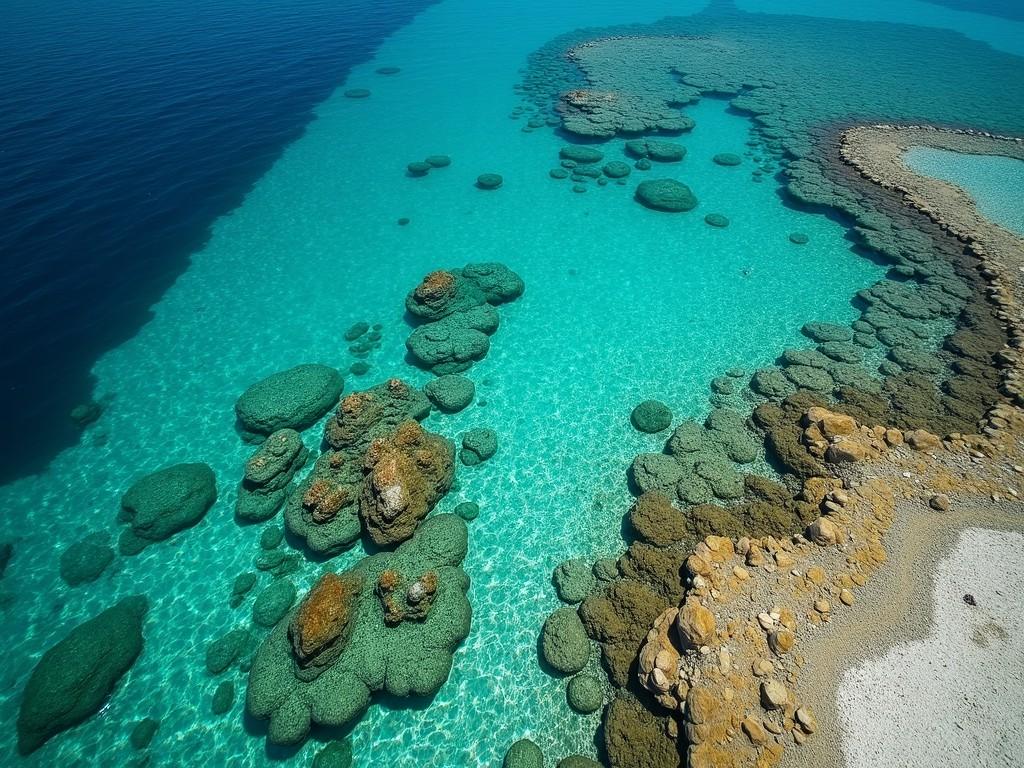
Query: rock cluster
{"x": 354, "y": 649}
{"x": 162, "y": 503}
{"x": 455, "y": 309}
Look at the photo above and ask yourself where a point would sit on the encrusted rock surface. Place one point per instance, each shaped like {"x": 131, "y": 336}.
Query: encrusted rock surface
{"x": 164, "y": 502}
{"x": 293, "y": 399}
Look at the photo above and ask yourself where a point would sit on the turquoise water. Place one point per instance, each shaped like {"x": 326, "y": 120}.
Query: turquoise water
{"x": 622, "y": 304}
{"x": 995, "y": 183}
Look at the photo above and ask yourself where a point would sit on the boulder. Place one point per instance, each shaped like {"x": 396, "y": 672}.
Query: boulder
{"x": 585, "y": 693}
{"x": 406, "y": 475}
{"x": 450, "y": 393}
{"x": 162, "y": 503}
{"x": 321, "y": 627}
{"x": 716, "y": 220}
{"x": 655, "y": 519}
{"x": 454, "y": 343}
{"x": 296, "y": 399}
{"x": 656, "y": 472}
{"x": 273, "y": 603}
{"x": 438, "y": 161}
{"x": 666, "y": 195}
{"x": 442, "y": 293}
{"x": 564, "y": 642}
{"x": 574, "y": 581}
{"x": 86, "y": 560}
{"x": 240, "y": 587}
{"x": 363, "y": 417}
{"x": 268, "y": 475}
{"x": 727, "y": 159}
{"x": 652, "y": 149}
{"x": 498, "y": 283}
{"x": 323, "y": 510}
{"x": 523, "y": 754}
{"x": 226, "y": 649}
{"x": 467, "y": 510}
{"x": 581, "y": 154}
{"x": 73, "y": 679}
{"x": 695, "y": 624}
{"x": 418, "y": 168}
{"x": 143, "y": 732}
{"x": 478, "y": 445}
{"x": 223, "y": 698}
{"x": 617, "y": 169}
{"x": 651, "y": 416}
{"x": 337, "y": 754}
{"x": 489, "y": 181}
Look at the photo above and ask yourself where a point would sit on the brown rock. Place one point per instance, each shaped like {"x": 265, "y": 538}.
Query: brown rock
{"x": 781, "y": 641}
{"x": 754, "y": 730}
{"x": 695, "y": 624}
{"x": 920, "y": 440}
{"x": 824, "y": 532}
{"x": 939, "y": 502}
{"x": 319, "y": 629}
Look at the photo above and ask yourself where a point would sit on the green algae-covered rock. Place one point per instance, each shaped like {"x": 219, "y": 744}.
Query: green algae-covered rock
{"x": 162, "y": 503}
{"x": 222, "y": 652}
{"x": 467, "y": 510}
{"x": 805, "y": 377}
{"x": 271, "y": 537}
{"x": 913, "y": 359}
{"x": 558, "y": 173}
{"x": 73, "y": 679}
{"x": 810, "y": 357}
{"x": 574, "y": 581}
{"x": 772, "y": 383}
{"x": 823, "y": 332}
{"x": 841, "y": 351}
{"x": 357, "y": 93}
{"x": 438, "y": 161}
{"x": 798, "y": 238}
{"x": 337, "y": 754}
{"x": 143, "y": 732}
{"x": 656, "y": 472}
{"x": 418, "y": 168}
{"x": 727, "y": 159}
{"x": 651, "y": 416}
{"x": 636, "y": 738}
{"x": 86, "y": 560}
{"x": 359, "y": 368}
{"x": 580, "y": 155}
{"x": 643, "y": 164}
{"x": 223, "y": 698}
{"x": 356, "y": 330}
{"x": 362, "y": 417}
{"x": 454, "y": 343}
{"x": 585, "y": 693}
{"x": 686, "y": 438}
{"x": 617, "y": 169}
{"x": 651, "y": 149}
{"x": 450, "y": 393}
{"x": 523, "y": 754}
{"x": 489, "y": 180}
{"x": 606, "y": 569}
{"x": 295, "y": 399}
{"x": 564, "y": 642}
{"x": 716, "y": 220}
{"x": 273, "y": 603}
{"x": 478, "y": 445}
{"x": 410, "y": 657}
{"x": 268, "y": 475}
{"x": 323, "y": 509}
{"x": 498, "y": 283}
{"x": 240, "y": 587}
{"x": 578, "y": 761}
{"x": 666, "y": 195}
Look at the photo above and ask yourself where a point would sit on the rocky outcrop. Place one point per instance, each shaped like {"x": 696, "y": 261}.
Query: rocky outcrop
{"x": 362, "y": 417}
{"x": 478, "y": 445}
{"x": 406, "y": 475}
{"x": 268, "y": 475}
{"x": 408, "y": 658}
{"x": 73, "y": 679}
{"x": 291, "y": 399}
{"x": 162, "y": 503}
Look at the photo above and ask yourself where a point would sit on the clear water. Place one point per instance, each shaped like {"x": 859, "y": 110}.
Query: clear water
{"x": 622, "y": 304}
{"x": 995, "y": 183}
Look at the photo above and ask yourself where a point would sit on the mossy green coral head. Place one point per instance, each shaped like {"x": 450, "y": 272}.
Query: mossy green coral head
{"x": 666, "y": 195}
{"x": 523, "y": 754}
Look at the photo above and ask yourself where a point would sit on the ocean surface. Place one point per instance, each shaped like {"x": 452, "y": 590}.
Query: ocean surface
{"x": 191, "y": 203}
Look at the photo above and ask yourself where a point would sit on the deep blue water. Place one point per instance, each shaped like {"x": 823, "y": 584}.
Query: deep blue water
{"x": 127, "y": 127}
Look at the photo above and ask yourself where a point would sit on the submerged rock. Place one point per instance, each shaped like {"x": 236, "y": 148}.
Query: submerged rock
{"x": 162, "y": 503}
{"x": 226, "y": 649}
{"x": 86, "y": 560}
{"x": 223, "y": 698}
{"x": 240, "y": 587}
{"x": 489, "y": 181}
{"x": 85, "y": 414}
{"x": 450, "y": 393}
{"x": 478, "y": 445}
{"x": 467, "y": 510}
{"x": 293, "y": 399}
{"x": 564, "y": 643}
{"x": 574, "y": 581}
{"x": 616, "y": 169}
{"x": 73, "y": 679}
{"x": 407, "y": 474}
{"x": 523, "y": 754}
{"x": 357, "y": 93}
{"x": 273, "y": 603}
{"x": 580, "y": 154}
{"x": 652, "y": 149}
{"x": 454, "y": 343}
{"x": 666, "y": 195}
{"x": 716, "y": 220}
{"x": 320, "y": 628}
{"x": 362, "y": 417}
{"x": 337, "y": 754}
{"x": 585, "y": 693}
{"x": 651, "y": 416}
{"x": 143, "y": 732}
{"x": 727, "y": 159}
{"x": 412, "y": 657}
{"x": 268, "y": 475}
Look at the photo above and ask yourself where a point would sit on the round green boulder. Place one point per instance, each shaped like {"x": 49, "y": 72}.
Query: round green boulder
{"x": 716, "y": 220}
{"x": 558, "y": 173}
{"x": 798, "y": 238}
{"x": 478, "y": 445}
{"x": 86, "y": 560}
{"x": 581, "y": 155}
{"x": 295, "y": 398}
{"x": 643, "y": 164}
{"x": 337, "y": 754}
{"x": 223, "y": 698}
{"x": 564, "y": 642}
{"x": 165, "y": 502}
{"x": 616, "y": 169}
{"x": 467, "y": 510}
{"x": 489, "y": 180}
{"x": 438, "y": 161}
{"x": 727, "y": 159}
{"x": 585, "y": 694}
{"x": 143, "y": 732}
{"x": 273, "y": 603}
{"x": 418, "y": 168}
{"x": 651, "y": 416}
{"x": 666, "y": 195}
{"x": 523, "y": 754}
{"x": 574, "y": 581}
{"x": 578, "y": 761}
{"x": 450, "y": 393}
{"x": 357, "y": 93}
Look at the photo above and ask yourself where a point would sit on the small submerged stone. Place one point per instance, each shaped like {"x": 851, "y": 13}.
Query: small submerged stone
{"x": 727, "y": 159}
{"x": 337, "y": 754}
{"x": 467, "y": 510}
{"x": 585, "y": 693}
{"x": 478, "y": 445}
{"x": 388, "y": 70}
{"x": 143, "y": 732}
{"x": 357, "y": 93}
{"x": 359, "y": 368}
{"x": 581, "y": 155}
{"x": 666, "y": 195}
{"x": 223, "y": 698}
{"x": 438, "y": 161}
{"x": 616, "y": 169}
{"x": 716, "y": 220}
{"x": 558, "y": 173}
{"x": 418, "y": 168}
{"x": 651, "y": 416}
{"x": 798, "y": 238}
{"x": 450, "y": 393}
{"x": 86, "y": 560}
{"x": 489, "y": 181}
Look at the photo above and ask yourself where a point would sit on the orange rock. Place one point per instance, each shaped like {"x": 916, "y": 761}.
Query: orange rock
{"x": 695, "y": 624}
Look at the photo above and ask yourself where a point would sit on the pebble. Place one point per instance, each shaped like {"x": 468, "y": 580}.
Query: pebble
{"x": 822, "y": 606}
{"x": 766, "y": 621}
{"x": 806, "y": 719}
{"x": 740, "y": 573}
{"x": 846, "y": 597}
{"x": 939, "y": 502}
{"x": 773, "y": 694}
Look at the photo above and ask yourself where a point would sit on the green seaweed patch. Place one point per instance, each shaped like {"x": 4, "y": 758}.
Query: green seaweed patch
{"x": 357, "y": 93}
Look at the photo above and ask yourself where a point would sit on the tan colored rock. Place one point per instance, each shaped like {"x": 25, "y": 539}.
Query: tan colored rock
{"x": 695, "y": 624}
{"x": 847, "y": 451}
{"x": 829, "y": 423}
{"x": 939, "y": 502}
{"x": 773, "y": 695}
{"x": 805, "y": 717}
{"x": 921, "y": 440}
{"x": 846, "y": 597}
{"x": 824, "y": 532}
{"x": 781, "y": 641}
{"x": 754, "y": 730}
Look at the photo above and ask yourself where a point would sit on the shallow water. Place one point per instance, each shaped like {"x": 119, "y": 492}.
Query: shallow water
{"x": 622, "y": 304}
{"x": 995, "y": 183}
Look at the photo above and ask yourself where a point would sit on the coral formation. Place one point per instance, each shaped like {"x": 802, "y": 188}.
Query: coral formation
{"x": 450, "y": 393}
{"x": 651, "y": 416}
{"x": 478, "y": 445}
{"x": 408, "y": 658}
{"x": 564, "y": 642}
{"x": 164, "y": 502}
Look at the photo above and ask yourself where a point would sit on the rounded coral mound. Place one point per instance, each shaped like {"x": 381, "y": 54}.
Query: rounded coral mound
{"x": 651, "y": 416}
{"x": 564, "y": 642}
{"x": 661, "y": 151}
{"x": 727, "y": 159}
{"x": 478, "y": 445}
{"x": 716, "y": 220}
{"x": 86, "y": 560}
{"x": 450, "y": 393}
{"x": 162, "y": 503}
{"x": 523, "y": 754}
{"x": 666, "y": 195}
{"x": 574, "y": 581}
{"x": 580, "y": 154}
{"x": 616, "y": 169}
{"x": 489, "y": 180}
{"x": 585, "y": 693}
